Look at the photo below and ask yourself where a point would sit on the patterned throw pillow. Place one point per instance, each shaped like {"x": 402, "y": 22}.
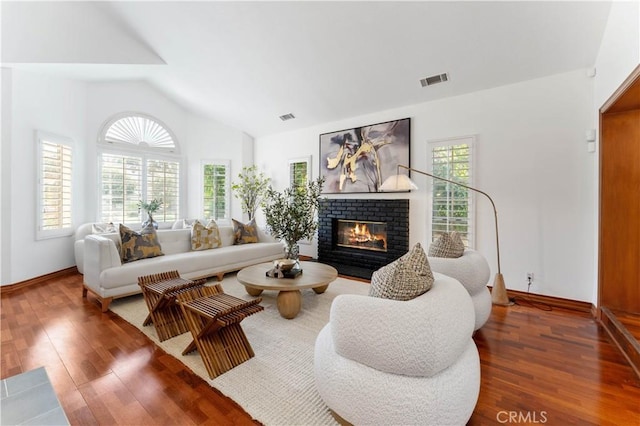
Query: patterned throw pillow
{"x": 205, "y": 237}
{"x": 447, "y": 245}
{"x": 103, "y": 228}
{"x": 245, "y": 233}
{"x": 139, "y": 245}
{"x": 404, "y": 279}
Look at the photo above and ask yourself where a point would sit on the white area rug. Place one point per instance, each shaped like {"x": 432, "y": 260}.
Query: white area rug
{"x": 276, "y": 387}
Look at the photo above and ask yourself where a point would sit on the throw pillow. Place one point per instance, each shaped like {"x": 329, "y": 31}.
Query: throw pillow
{"x": 447, "y": 245}
{"x": 103, "y": 228}
{"x": 404, "y": 279}
{"x": 139, "y": 245}
{"x": 205, "y": 237}
{"x": 245, "y": 233}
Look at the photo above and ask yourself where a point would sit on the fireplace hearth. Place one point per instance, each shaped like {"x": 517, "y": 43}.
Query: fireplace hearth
{"x": 358, "y": 236}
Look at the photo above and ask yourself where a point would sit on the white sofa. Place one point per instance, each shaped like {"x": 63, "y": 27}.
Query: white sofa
{"x": 389, "y": 362}
{"x": 472, "y": 270}
{"x": 107, "y": 277}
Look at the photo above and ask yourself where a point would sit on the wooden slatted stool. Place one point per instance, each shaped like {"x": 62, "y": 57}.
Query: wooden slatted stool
{"x": 160, "y": 291}
{"x": 214, "y": 321}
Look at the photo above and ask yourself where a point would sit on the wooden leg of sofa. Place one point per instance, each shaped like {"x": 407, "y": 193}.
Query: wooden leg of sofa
{"x": 105, "y": 303}
{"x": 220, "y": 276}
{"x": 84, "y": 292}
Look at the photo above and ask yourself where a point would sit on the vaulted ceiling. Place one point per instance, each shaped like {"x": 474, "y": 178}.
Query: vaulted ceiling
{"x": 246, "y": 63}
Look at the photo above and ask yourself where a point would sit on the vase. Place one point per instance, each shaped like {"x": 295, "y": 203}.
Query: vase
{"x": 149, "y": 221}
{"x": 292, "y": 251}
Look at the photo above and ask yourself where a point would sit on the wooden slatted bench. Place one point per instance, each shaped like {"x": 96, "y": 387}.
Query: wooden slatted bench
{"x": 214, "y": 321}
{"x": 160, "y": 291}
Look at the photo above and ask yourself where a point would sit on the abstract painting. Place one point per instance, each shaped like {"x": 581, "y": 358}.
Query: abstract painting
{"x": 360, "y": 159}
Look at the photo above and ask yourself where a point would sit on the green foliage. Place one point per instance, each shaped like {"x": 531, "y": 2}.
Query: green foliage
{"x": 151, "y": 206}
{"x": 291, "y": 214}
{"x": 251, "y": 189}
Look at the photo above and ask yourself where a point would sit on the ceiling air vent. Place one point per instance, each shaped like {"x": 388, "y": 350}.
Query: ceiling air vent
{"x": 434, "y": 79}
{"x": 287, "y": 117}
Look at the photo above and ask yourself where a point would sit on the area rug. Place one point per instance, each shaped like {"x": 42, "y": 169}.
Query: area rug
{"x": 276, "y": 387}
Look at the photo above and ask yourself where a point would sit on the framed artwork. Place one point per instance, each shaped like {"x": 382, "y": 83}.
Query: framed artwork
{"x": 360, "y": 159}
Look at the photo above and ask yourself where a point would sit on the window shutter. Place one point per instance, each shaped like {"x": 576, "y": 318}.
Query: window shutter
{"x": 452, "y": 208}
{"x": 215, "y": 200}
{"x": 121, "y": 186}
{"x": 163, "y": 183}
{"x": 298, "y": 174}
{"x": 55, "y": 186}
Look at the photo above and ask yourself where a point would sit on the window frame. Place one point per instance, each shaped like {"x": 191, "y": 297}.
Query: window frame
{"x": 145, "y": 153}
{"x": 227, "y": 185}
{"x": 306, "y": 160}
{"x": 469, "y": 140}
{"x": 64, "y": 231}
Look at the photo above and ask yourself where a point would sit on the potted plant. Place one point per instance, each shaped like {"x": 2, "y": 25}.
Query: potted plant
{"x": 291, "y": 214}
{"x": 150, "y": 207}
{"x": 251, "y": 189}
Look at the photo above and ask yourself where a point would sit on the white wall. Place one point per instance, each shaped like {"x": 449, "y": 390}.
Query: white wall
{"x": 5, "y": 175}
{"x": 108, "y": 99}
{"x": 78, "y": 110}
{"x": 619, "y": 51}
{"x": 208, "y": 140}
{"x": 57, "y": 106}
{"x": 618, "y": 56}
{"x": 531, "y": 158}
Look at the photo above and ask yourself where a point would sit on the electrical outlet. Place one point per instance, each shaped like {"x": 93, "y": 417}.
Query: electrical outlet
{"x": 529, "y": 276}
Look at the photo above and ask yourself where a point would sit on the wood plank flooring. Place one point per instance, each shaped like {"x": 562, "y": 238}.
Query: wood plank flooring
{"x": 554, "y": 367}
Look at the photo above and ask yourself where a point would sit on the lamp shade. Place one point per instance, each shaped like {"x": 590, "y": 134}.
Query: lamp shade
{"x": 398, "y": 182}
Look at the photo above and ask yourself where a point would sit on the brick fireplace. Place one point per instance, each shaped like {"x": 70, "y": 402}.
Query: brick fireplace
{"x": 358, "y": 236}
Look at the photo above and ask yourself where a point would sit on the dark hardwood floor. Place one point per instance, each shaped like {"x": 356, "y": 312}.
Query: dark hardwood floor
{"x": 555, "y": 367}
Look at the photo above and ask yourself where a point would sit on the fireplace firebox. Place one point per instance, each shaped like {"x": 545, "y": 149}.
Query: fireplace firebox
{"x": 357, "y": 236}
{"x": 363, "y": 235}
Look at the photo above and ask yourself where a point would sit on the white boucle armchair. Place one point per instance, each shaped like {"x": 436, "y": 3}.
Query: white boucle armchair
{"x": 472, "y": 270}
{"x": 387, "y": 362}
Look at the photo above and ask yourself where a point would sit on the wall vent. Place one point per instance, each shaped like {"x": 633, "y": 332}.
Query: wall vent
{"x": 287, "y": 117}
{"x": 434, "y": 79}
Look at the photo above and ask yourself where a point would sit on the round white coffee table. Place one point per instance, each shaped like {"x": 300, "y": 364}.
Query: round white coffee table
{"x": 316, "y": 276}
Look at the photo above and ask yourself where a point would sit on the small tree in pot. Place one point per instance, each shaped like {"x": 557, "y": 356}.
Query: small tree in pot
{"x": 291, "y": 214}
{"x": 250, "y": 189}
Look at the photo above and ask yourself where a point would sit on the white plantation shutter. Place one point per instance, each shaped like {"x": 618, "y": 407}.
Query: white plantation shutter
{"x": 139, "y": 129}
{"x": 452, "y": 206}
{"x": 215, "y": 190}
{"x": 138, "y": 162}
{"x": 54, "y": 186}
{"x": 299, "y": 172}
{"x": 163, "y": 183}
{"x": 121, "y": 188}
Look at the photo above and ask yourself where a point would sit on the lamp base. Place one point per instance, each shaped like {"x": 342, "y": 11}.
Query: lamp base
{"x": 499, "y": 292}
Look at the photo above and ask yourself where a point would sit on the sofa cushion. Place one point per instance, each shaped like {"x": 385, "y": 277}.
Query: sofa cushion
{"x": 103, "y": 228}
{"x": 447, "y": 245}
{"x": 139, "y": 245}
{"x": 245, "y": 233}
{"x": 404, "y": 279}
{"x": 205, "y": 237}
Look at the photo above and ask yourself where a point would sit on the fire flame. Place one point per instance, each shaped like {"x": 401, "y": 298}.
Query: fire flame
{"x": 360, "y": 233}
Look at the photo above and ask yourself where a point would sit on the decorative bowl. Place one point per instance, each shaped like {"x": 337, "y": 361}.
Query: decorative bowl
{"x": 284, "y": 264}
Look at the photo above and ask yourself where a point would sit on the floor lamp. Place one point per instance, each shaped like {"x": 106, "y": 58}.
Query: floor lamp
{"x": 401, "y": 182}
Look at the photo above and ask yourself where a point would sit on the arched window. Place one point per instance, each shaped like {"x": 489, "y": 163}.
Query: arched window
{"x": 138, "y": 161}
